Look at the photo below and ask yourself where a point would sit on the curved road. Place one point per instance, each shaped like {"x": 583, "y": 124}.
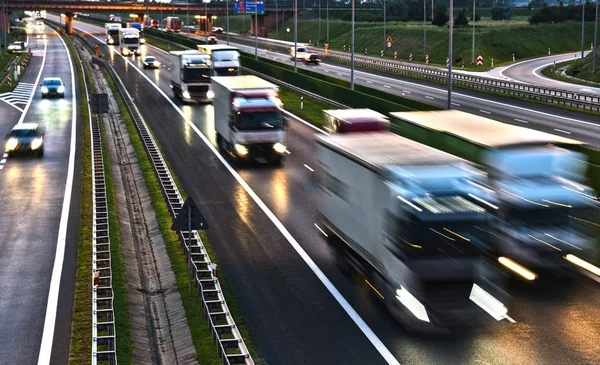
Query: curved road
{"x": 294, "y": 318}
{"x": 38, "y": 220}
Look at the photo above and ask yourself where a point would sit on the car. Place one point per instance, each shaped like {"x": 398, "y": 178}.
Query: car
{"x": 53, "y": 86}
{"x": 150, "y": 62}
{"x": 211, "y": 39}
{"x": 26, "y": 138}
{"x": 217, "y": 30}
{"x": 312, "y": 58}
{"x": 301, "y": 53}
{"x": 18, "y": 46}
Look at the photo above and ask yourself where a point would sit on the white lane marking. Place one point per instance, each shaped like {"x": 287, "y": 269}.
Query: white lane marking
{"x": 388, "y": 86}
{"x": 304, "y": 121}
{"x": 406, "y": 91}
{"x": 562, "y": 131}
{"x": 521, "y": 120}
{"x": 455, "y": 104}
{"x": 362, "y": 325}
{"x": 37, "y": 81}
{"x": 510, "y": 319}
{"x": 14, "y": 106}
{"x": 288, "y": 152}
{"x": 370, "y": 82}
{"x": 52, "y": 306}
{"x": 3, "y": 160}
{"x": 5, "y": 155}
{"x": 339, "y": 74}
{"x": 309, "y": 168}
{"x": 429, "y": 97}
{"x": 485, "y": 111}
{"x": 326, "y": 71}
{"x": 1, "y": 167}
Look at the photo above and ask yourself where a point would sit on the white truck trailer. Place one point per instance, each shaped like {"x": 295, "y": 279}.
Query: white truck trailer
{"x": 248, "y": 118}
{"x": 413, "y": 221}
{"x": 112, "y": 33}
{"x": 129, "y": 41}
{"x": 354, "y": 120}
{"x": 190, "y": 76}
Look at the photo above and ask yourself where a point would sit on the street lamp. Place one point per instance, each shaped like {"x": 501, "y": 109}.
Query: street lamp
{"x": 384, "y": 35}
{"x": 425, "y": 26}
{"x": 473, "y": 45}
{"x": 327, "y": 21}
{"x": 582, "y": 27}
{"x": 352, "y": 52}
{"x": 227, "y": 4}
{"x": 595, "y": 38}
{"x": 296, "y": 35}
{"x": 318, "y": 39}
{"x": 450, "y": 55}
{"x": 206, "y": 13}
{"x": 187, "y": 19}
{"x": 256, "y": 29}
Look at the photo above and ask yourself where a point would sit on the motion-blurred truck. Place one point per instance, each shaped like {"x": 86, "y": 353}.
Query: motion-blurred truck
{"x": 190, "y": 76}
{"x": 413, "y": 221}
{"x": 548, "y": 216}
{"x": 112, "y": 33}
{"x": 248, "y": 118}
{"x": 355, "y": 120}
{"x": 225, "y": 59}
{"x": 172, "y": 24}
{"x": 129, "y": 41}
{"x": 140, "y": 28}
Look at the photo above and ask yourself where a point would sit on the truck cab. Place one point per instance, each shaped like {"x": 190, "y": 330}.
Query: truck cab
{"x": 190, "y": 76}
{"x": 225, "y": 59}
{"x": 112, "y": 33}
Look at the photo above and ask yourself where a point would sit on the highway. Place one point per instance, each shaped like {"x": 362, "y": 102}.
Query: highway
{"x": 300, "y": 307}
{"x": 39, "y": 218}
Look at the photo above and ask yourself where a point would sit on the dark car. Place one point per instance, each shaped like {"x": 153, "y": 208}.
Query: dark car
{"x": 53, "y": 86}
{"x": 312, "y": 58}
{"x": 211, "y": 39}
{"x": 25, "y": 138}
{"x": 150, "y": 62}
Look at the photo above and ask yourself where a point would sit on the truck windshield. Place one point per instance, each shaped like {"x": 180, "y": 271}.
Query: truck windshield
{"x": 225, "y": 56}
{"x": 259, "y": 121}
{"x": 131, "y": 40}
{"x": 195, "y": 75}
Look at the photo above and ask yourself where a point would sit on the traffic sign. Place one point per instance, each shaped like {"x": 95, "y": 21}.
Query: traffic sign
{"x": 410, "y": 57}
{"x": 183, "y": 222}
{"x": 426, "y": 59}
{"x": 395, "y": 55}
{"x": 99, "y": 103}
{"x": 479, "y": 60}
{"x": 389, "y": 38}
{"x": 389, "y": 44}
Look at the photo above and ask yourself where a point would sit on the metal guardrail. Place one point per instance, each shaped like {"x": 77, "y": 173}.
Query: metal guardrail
{"x": 230, "y": 344}
{"x": 103, "y": 319}
{"x": 7, "y": 71}
{"x": 550, "y": 95}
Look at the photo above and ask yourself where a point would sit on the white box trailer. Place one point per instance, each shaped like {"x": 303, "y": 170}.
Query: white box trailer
{"x": 129, "y": 41}
{"x": 414, "y": 221}
{"x": 248, "y": 118}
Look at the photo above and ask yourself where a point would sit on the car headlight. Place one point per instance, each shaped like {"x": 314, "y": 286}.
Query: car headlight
{"x": 412, "y": 304}
{"x": 44, "y": 90}
{"x": 61, "y": 89}
{"x": 36, "y": 143}
{"x": 241, "y": 150}
{"x": 210, "y": 94}
{"x": 11, "y": 144}
{"x": 279, "y": 147}
{"x": 186, "y": 95}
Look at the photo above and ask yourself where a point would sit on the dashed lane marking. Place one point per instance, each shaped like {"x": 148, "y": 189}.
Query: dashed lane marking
{"x": 562, "y": 131}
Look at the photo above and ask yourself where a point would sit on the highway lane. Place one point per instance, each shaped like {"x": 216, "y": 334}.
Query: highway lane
{"x": 530, "y": 72}
{"x": 540, "y": 312}
{"x": 32, "y": 192}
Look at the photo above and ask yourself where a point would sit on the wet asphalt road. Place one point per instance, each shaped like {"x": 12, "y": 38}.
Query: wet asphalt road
{"x": 293, "y": 318}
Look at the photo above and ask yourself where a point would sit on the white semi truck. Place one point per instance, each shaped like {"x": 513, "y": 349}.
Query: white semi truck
{"x": 225, "y": 59}
{"x": 112, "y": 33}
{"x": 548, "y": 217}
{"x": 190, "y": 76}
{"x": 248, "y": 118}
{"x": 129, "y": 41}
{"x": 414, "y": 222}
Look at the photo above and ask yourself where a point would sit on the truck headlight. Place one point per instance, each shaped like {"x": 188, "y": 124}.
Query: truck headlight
{"x": 44, "y": 90}
{"x": 241, "y": 150}
{"x": 412, "y": 304}
{"x": 210, "y": 94}
{"x": 186, "y": 95}
{"x": 126, "y": 51}
{"x": 142, "y": 40}
{"x": 111, "y": 41}
{"x": 11, "y": 144}
{"x": 279, "y": 147}
{"x": 36, "y": 143}
{"x": 61, "y": 89}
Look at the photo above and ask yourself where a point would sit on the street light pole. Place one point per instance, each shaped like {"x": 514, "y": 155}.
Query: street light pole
{"x": 276, "y": 17}
{"x": 318, "y": 39}
{"x": 450, "y": 55}
{"x": 473, "y": 45}
{"x": 187, "y": 21}
{"x": 425, "y": 26}
{"x": 384, "y": 35}
{"x": 582, "y": 27}
{"x": 256, "y": 29}
{"x": 295, "y": 35}
{"x": 227, "y": 10}
{"x": 352, "y": 52}
{"x": 595, "y": 39}
{"x": 206, "y": 15}
{"x": 327, "y": 20}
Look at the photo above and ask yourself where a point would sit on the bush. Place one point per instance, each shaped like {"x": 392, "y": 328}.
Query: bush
{"x": 501, "y": 13}
{"x": 440, "y": 15}
{"x": 559, "y": 14}
{"x": 461, "y": 19}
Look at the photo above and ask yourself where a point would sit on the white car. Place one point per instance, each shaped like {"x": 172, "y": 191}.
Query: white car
{"x": 17, "y": 46}
{"x": 301, "y": 53}
{"x": 217, "y": 30}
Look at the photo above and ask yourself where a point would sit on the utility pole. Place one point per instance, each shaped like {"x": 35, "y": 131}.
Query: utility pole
{"x": 473, "y": 45}
{"x": 425, "y": 26}
{"x": 327, "y": 20}
{"x": 450, "y": 56}
{"x": 384, "y": 33}
{"x": 352, "y": 52}
{"x": 582, "y": 27}
{"x": 295, "y": 35}
{"x": 256, "y": 29}
{"x": 595, "y": 39}
{"x": 227, "y": 5}
{"x": 319, "y": 39}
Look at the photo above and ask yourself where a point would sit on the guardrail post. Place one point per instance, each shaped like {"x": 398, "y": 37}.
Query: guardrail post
{"x": 492, "y": 62}
{"x": 16, "y": 75}
{"x": 513, "y": 57}
{"x": 548, "y": 51}
{"x": 301, "y": 102}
